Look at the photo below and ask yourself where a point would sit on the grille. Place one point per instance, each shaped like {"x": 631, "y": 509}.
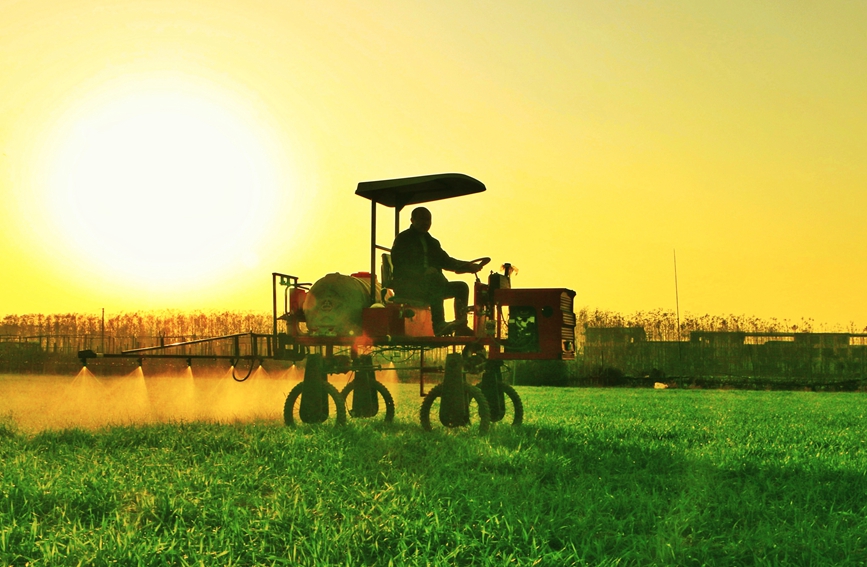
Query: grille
{"x": 565, "y": 303}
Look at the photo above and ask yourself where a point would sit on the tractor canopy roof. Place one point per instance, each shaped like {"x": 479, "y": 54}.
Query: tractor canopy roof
{"x": 413, "y": 190}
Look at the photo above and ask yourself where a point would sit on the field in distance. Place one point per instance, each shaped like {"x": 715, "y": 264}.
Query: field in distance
{"x": 594, "y": 477}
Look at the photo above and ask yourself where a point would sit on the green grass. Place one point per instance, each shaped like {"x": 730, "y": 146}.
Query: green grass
{"x": 594, "y": 477}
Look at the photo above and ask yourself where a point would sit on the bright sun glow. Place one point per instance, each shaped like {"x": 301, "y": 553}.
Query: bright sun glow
{"x": 162, "y": 185}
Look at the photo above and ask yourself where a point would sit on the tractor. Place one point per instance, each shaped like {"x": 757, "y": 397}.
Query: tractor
{"x": 351, "y": 323}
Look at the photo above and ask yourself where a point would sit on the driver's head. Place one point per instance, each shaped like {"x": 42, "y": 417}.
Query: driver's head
{"x": 420, "y": 219}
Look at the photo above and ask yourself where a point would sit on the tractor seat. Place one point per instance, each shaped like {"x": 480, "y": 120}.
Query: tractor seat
{"x": 408, "y": 301}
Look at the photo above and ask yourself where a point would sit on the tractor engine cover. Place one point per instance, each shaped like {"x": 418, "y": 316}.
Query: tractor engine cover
{"x": 334, "y": 304}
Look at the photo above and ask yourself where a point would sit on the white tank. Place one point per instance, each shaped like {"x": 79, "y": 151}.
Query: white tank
{"x": 334, "y": 303}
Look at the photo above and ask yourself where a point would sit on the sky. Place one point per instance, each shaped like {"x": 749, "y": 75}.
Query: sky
{"x": 173, "y": 154}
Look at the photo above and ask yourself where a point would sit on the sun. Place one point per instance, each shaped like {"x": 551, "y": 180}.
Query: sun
{"x": 162, "y": 184}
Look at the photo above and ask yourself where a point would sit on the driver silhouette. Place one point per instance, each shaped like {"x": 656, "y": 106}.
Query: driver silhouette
{"x": 419, "y": 261}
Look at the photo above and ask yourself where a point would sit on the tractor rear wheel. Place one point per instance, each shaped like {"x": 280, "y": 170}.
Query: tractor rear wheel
{"x": 473, "y": 395}
{"x": 379, "y": 387}
{"x": 517, "y": 405}
{"x": 291, "y": 409}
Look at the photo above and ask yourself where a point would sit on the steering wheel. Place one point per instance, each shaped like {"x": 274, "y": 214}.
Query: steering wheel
{"x": 479, "y": 263}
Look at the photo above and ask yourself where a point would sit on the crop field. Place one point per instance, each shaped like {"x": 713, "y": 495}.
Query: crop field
{"x": 593, "y": 477}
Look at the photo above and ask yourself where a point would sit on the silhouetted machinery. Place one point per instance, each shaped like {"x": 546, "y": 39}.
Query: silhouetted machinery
{"x": 351, "y": 323}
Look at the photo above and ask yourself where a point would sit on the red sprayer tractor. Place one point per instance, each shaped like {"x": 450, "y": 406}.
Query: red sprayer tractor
{"x": 345, "y": 324}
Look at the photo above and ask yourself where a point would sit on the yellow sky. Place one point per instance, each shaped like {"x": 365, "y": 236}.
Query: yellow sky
{"x": 172, "y": 154}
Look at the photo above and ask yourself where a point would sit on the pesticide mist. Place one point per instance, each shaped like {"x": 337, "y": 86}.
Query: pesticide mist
{"x": 36, "y": 403}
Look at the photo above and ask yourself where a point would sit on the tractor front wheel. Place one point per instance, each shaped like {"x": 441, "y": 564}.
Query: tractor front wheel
{"x": 517, "y": 404}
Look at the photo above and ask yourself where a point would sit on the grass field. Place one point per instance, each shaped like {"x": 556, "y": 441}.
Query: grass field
{"x": 594, "y": 477}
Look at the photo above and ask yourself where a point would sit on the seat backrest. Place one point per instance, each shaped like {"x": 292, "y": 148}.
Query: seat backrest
{"x": 387, "y": 269}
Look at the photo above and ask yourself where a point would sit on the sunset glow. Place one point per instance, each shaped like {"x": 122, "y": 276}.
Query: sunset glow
{"x": 160, "y": 185}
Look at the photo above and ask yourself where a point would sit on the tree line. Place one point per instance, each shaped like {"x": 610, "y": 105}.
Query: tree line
{"x": 658, "y": 324}
{"x": 165, "y": 323}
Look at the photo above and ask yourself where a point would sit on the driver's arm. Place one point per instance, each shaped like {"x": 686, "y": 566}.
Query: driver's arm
{"x": 466, "y": 267}
{"x": 446, "y": 262}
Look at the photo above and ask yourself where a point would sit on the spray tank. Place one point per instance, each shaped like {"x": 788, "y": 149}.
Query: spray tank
{"x": 334, "y": 304}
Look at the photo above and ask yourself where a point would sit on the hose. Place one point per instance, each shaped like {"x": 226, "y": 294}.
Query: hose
{"x": 249, "y": 371}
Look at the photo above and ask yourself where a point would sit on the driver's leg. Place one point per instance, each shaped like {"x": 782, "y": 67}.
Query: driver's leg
{"x": 437, "y": 313}
{"x": 439, "y": 289}
{"x": 461, "y": 292}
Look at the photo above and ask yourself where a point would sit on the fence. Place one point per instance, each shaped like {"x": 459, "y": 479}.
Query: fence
{"x": 804, "y": 356}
